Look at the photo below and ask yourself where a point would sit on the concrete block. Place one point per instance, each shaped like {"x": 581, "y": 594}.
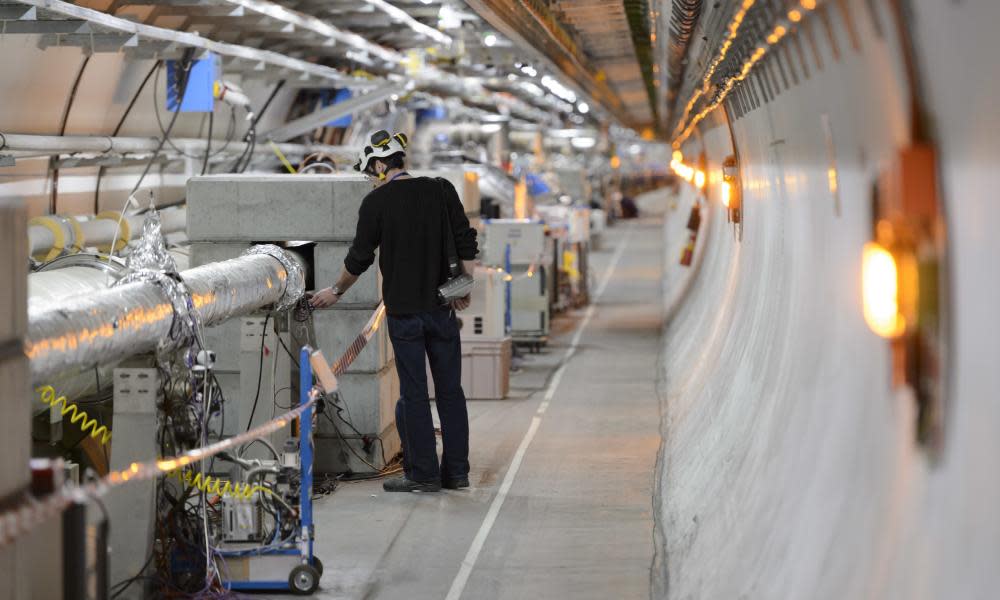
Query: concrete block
{"x": 202, "y": 253}
{"x": 17, "y": 402}
{"x": 229, "y": 382}
{"x": 334, "y": 456}
{"x": 224, "y": 340}
{"x": 466, "y": 182}
{"x": 368, "y": 401}
{"x": 337, "y": 328}
{"x": 274, "y": 207}
{"x": 328, "y": 262}
{"x": 14, "y": 270}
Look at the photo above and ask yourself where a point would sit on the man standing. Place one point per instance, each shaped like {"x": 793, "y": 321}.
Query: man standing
{"x": 407, "y": 219}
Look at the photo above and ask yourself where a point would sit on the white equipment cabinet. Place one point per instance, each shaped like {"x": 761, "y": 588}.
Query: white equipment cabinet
{"x": 485, "y": 316}
{"x": 526, "y": 240}
{"x": 529, "y": 294}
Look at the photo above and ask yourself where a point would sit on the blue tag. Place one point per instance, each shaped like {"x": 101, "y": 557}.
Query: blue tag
{"x": 201, "y": 81}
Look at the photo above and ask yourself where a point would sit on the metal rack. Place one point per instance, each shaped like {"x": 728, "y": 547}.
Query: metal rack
{"x": 63, "y": 24}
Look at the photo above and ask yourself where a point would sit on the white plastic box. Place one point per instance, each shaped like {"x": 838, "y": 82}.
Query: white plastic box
{"x": 485, "y": 369}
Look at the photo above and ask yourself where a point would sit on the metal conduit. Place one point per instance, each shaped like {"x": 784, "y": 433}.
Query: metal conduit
{"x": 101, "y": 144}
{"x": 99, "y": 232}
{"x": 137, "y": 318}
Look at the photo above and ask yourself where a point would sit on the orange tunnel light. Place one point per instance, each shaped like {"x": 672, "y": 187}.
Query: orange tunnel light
{"x": 880, "y": 289}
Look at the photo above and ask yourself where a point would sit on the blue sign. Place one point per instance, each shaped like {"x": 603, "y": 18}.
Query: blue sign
{"x": 201, "y": 80}
{"x": 338, "y": 97}
{"x": 536, "y": 187}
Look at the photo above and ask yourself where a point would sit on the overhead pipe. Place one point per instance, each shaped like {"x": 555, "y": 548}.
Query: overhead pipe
{"x": 316, "y": 119}
{"x": 53, "y": 235}
{"x": 45, "y": 145}
{"x": 82, "y": 333}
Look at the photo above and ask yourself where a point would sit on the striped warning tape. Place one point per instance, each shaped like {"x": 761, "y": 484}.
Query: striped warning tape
{"x": 17, "y": 521}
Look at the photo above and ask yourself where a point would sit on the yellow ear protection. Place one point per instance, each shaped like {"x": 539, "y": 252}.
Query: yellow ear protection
{"x": 381, "y": 176}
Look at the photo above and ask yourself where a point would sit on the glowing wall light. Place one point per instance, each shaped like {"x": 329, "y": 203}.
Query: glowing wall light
{"x": 880, "y": 289}
{"x": 727, "y": 190}
{"x": 699, "y": 179}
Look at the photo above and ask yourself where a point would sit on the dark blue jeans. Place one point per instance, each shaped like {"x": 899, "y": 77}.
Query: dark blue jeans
{"x": 433, "y": 335}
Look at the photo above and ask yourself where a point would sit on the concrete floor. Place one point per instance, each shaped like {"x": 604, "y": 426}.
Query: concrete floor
{"x": 576, "y": 518}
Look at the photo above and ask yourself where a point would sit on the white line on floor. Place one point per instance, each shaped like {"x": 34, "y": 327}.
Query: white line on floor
{"x": 469, "y": 562}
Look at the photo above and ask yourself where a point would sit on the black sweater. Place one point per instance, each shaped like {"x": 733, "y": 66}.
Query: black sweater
{"x": 403, "y": 219}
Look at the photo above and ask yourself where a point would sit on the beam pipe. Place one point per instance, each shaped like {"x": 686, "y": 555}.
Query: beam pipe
{"x": 136, "y": 318}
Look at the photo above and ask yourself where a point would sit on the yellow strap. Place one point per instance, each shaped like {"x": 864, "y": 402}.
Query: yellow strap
{"x": 124, "y": 231}
{"x": 281, "y": 157}
{"x": 58, "y": 237}
{"x": 78, "y": 238}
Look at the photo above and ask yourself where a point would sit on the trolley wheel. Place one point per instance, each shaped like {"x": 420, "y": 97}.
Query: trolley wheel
{"x": 318, "y": 565}
{"x": 303, "y": 580}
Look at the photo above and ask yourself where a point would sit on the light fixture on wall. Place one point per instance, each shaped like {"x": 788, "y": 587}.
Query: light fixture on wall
{"x": 903, "y": 297}
{"x": 732, "y": 192}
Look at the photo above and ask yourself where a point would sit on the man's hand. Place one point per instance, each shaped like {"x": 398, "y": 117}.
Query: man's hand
{"x": 324, "y": 298}
{"x": 462, "y": 303}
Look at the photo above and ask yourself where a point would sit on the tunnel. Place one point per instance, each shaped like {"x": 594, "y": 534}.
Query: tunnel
{"x": 632, "y": 298}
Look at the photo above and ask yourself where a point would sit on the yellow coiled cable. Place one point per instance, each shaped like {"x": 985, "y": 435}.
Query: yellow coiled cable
{"x": 48, "y": 396}
{"x": 216, "y": 487}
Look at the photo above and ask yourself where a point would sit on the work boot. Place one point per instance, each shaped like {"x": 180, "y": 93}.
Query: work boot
{"x": 455, "y": 483}
{"x": 402, "y": 484}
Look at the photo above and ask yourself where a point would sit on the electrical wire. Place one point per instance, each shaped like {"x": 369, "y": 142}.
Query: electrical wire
{"x": 208, "y": 142}
{"x": 267, "y": 104}
{"x": 185, "y": 70}
{"x": 351, "y": 448}
{"x": 118, "y": 128}
{"x": 260, "y": 371}
{"x": 230, "y": 130}
{"x": 54, "y": 160}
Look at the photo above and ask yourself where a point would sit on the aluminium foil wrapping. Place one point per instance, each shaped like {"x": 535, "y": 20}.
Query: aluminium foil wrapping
{"x": 77, "y": 335}
{"x": 151, "y": 250}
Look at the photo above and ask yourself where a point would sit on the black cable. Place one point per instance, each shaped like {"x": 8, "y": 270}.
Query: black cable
{"x": 230, "y": 132}
{"x": 253, "y": 147}
{"x": 118, "y": 128}
{"x": 260, "y": 371}
{"x": 208, "y": 141}
{"x": 290, "y": 355}
{"x": 185, "y": 68}
{"x": 269, "y": 448}
{"x": 250, "y": 141}
{"x": 54, "y": 160}
{"x": 128, "y": 582}
{"x": 276, "y": 398}
{"x": 267, "y": 104}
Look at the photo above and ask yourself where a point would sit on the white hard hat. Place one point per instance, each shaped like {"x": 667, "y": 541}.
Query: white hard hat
{"x": 381, "y": 145}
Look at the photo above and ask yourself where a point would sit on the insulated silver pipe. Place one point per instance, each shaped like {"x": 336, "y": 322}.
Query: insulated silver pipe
{"x": 43, "y": 145}
{"x": 135, "y": 318}
{"x": 97, "y": 231}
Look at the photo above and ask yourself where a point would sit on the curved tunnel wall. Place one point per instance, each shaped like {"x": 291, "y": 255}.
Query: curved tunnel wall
{"x": 790, "y": 467}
